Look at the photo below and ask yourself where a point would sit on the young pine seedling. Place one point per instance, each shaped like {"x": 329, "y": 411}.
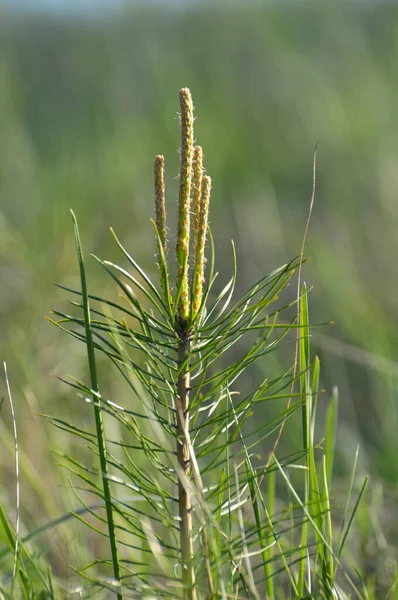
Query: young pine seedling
{"x": 189, "y": 507}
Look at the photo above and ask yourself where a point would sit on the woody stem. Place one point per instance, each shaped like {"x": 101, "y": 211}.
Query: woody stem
{"x": 183, "y": 457}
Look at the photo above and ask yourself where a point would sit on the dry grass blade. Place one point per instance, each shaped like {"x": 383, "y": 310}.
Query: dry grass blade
{"x": 296, "y": 355}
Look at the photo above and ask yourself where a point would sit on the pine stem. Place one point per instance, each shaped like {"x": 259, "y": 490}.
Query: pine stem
{"x": 160, "y": 200}
{"x": 160, "y": 213}
{"x": 184, "y": 203}
{"x": 197, "y": 188}
{"x": 183, "y": 457}
{"x": 199, "y": 267}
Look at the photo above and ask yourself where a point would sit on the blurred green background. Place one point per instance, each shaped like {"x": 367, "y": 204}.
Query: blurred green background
{"x": 86, "y": 102}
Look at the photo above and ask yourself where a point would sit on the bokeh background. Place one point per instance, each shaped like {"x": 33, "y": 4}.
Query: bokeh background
{"x": 88, "y": 97}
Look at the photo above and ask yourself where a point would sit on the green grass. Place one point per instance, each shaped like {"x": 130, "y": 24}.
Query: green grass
{"x": 80, "y": 129}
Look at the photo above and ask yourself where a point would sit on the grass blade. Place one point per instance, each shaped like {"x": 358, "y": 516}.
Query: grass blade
{"x": 97, "y": 409}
